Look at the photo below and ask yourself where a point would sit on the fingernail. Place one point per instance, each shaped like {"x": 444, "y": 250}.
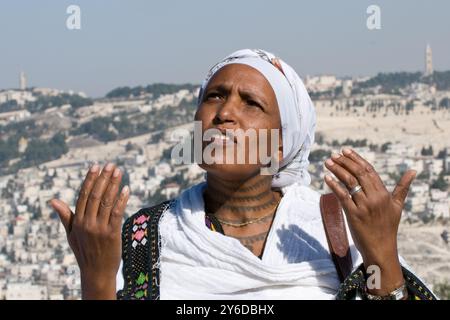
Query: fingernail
{"x": 125, "y": 190}
{"x": 52, "y": 204}
{"x": 335, "y": 155}
{"x": 94, "y": 168}
{"x": 109, "y": 167}
{"x": 327, "y": 178}
{"x": 116, "y": 172}
{"x": 346, "y": 151}
{"x": 329, "y": 162}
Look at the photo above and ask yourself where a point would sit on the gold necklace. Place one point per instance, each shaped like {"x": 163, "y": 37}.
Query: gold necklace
{"x": 243, "y": 224}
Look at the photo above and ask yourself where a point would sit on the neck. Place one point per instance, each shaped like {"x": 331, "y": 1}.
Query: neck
{"x": 240, "y": 200}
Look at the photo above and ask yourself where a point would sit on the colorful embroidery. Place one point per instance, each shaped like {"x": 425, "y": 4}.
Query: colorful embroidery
{"x": 140, "y": 252}
{"x": 142, "y": 285}
{"x": 209, "y": 223}
{"x": 355, "y": 283}
{"x": 139, "y": 235}
{"x": 213, "y": 224}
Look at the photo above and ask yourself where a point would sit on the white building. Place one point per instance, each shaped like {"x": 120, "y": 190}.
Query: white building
{"x": 418, "y": 197}
{"x": 439, "y": 209}
{"x": 347, "y": 86}
{"x": 25, "y": 291}
{"x": 435, "y": 166}
{"x": 171, "y": 190}
{"x": 401, "y": 149}
{"x": 428, "y": 61}
{"x": 20, "y": 96}
{"x": 322, "y": 83}
{"x": 22, "y": 81}
{"x": 13, "y": 116}
{"x": 420, "y": 91}
{"x": 438, "y": 195}
{"x": 163, "y": 169}
{"x": 447, "y": 163}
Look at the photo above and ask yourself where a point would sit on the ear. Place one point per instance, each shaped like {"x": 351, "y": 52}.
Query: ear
{"x": 280, "y": 149}
{"x": 280, "y": 156}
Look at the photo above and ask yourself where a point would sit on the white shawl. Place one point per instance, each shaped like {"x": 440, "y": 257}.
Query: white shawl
{"x": 197, "y": 263}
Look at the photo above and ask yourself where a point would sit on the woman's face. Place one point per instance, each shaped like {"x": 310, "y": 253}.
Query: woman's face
{"x": 239, "y": 97}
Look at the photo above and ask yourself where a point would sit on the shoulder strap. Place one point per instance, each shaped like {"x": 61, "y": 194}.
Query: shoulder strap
{"x": 333, "y": 222}
{"x": 140, "y": 254}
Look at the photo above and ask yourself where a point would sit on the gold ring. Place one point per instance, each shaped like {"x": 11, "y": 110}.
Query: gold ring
{"x": 84, "y": 193}
{"x": 104, "y": 205}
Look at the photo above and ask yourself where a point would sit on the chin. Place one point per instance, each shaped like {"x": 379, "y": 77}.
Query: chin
{"x": 231, "y": 171}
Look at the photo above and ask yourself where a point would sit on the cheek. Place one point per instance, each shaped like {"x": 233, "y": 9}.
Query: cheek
{"x": 198, "y": 114}
{"x": 273, "y": 139}
{"x": 270, "y": 141}
{"x": 264, "y": 135}
{"x": 204, "y": 115}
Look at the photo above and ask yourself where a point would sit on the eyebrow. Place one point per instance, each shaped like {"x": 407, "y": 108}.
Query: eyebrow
{"x": 220, "y": 88}
{"x": 248, "y": 94}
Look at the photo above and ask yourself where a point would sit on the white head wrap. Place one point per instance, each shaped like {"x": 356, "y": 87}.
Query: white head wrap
{"x": 298, "y": 117}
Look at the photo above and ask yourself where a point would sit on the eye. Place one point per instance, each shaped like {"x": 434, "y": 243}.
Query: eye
{"x": 254, "y": 103}
{"x": 213, "y": 96}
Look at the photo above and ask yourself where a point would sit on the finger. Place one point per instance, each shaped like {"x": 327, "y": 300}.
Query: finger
{"x": 364, "y": 174}
{"x": 341, "y": 193}
{"x": 352, "y": 154}
{"x": 115, "y": 219}
{"x": 109, "y": 198}
{"x": 97, "y": 192}
{"x": 64, "y": 213}
{"x": 85, "y": 190}
{"x": 347, "y": 179}
{"x": 401, "y": 189}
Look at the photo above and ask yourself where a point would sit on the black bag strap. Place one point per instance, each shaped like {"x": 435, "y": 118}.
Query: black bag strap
{"x": 333, "y": 222}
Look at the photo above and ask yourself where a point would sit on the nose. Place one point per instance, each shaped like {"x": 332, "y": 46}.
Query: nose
{"x": 226, "y": 112}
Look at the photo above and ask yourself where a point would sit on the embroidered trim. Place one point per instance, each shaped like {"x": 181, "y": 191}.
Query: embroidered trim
{"x": 140, "y": 252}
{"x": 355, "y": 284}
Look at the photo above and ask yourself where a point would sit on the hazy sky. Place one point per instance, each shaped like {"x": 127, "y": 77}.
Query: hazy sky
{"x": 140, "y": 42}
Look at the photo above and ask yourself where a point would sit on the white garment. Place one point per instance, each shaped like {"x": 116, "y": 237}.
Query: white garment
{"x": 197, "y": 263}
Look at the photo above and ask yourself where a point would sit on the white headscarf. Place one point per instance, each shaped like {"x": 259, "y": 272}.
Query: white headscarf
{"x": 298, "y": 117}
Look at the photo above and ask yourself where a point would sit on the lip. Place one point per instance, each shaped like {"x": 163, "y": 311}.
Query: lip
{"x": 226, "y": 137}
{"x": 221, "y": 139}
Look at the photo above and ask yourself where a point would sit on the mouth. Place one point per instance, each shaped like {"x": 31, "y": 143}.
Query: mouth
{"x": 223, "y": 139}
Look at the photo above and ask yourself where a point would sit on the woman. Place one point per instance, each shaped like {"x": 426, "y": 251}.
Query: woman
{"x": 242, "y": 234}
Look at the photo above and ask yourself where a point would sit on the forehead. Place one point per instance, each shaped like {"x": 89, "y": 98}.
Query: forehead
{"x": 243, "y": 75}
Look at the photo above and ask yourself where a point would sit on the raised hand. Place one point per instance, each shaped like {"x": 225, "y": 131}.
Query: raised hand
{"x": 373, "y": 213}
{"x": 94, "y": 230}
